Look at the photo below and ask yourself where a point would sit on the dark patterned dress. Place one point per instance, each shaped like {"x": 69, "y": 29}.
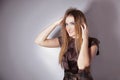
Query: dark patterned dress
{"x": 69, "y": 61}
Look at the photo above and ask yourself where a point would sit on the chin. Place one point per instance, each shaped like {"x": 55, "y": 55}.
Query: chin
{"x": 72, "y": 36}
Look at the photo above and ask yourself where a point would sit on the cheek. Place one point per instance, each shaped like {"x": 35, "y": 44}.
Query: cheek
{"x": 73, "y": 29}
{"x": 67, "y": 29}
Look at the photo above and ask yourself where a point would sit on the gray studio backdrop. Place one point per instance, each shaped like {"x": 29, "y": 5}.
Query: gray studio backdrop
{"x": 22, "y": 20}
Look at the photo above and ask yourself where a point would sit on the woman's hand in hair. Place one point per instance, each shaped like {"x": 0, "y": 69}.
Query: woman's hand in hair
{"x": 58, "y": 22}
{"x": 84, "y": 32}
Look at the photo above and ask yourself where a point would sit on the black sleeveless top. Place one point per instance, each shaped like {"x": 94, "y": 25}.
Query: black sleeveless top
{"x": 70, "y": 57}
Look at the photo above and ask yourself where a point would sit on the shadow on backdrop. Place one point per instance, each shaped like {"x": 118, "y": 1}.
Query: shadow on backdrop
{"x": 102, "y": 17}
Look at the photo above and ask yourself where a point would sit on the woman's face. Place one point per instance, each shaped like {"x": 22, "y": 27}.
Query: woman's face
{"x": 70, "y": 26}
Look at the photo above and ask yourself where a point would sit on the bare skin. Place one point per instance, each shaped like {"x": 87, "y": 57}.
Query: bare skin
{"x": 86, "y": 54}
{"x": 70, "y": 26}
{"x": 42, "y": 40}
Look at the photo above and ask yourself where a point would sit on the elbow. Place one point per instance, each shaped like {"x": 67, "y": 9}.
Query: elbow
{"x": 83, "y": 66}
{"x": 37, "y": 42}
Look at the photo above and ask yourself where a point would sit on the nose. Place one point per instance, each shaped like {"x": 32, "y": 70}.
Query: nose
{"x": 69, "y": 27}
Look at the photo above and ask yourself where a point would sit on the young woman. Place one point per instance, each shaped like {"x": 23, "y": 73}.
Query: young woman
{"x": 77, "y": 47}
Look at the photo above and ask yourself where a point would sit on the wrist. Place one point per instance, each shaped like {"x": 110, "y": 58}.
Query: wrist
{"x": 85, "y": 40}
{"x": 56, "y": 24}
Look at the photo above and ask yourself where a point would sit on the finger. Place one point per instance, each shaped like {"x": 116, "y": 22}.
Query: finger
{"x": 85, "y": 27}
{"x": 82, "y": 27}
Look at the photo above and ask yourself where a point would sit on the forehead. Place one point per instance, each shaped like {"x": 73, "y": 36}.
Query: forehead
{"x": 69, "y": 19}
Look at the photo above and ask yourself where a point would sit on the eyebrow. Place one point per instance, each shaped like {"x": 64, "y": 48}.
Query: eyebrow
{"x": 71, "y": 22}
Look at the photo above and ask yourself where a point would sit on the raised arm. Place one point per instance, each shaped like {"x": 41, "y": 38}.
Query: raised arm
{"x": 86, "y": 54}
{"x": 42, "y": 40}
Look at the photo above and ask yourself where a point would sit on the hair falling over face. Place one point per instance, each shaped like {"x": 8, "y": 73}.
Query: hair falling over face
{"x": 79, "y": 19}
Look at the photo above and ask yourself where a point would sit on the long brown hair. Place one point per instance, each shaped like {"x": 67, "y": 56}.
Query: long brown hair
{"x": 79, "y": 20}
